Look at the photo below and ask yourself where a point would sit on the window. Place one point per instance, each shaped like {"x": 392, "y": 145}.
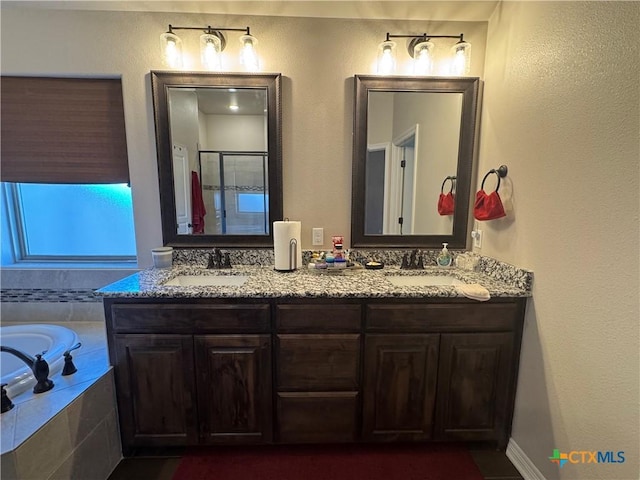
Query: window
{"x": 252, "y": 202}
{"x": 68, "y": 222}
{"x": 64, "y": 172}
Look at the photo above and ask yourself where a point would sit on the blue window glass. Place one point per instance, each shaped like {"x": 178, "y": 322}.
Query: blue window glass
{"x": 62, "y": 222}
{"x": 251, "y": 202}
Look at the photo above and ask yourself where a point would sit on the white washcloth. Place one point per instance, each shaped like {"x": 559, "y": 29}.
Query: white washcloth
{"x": 474, "y": 291}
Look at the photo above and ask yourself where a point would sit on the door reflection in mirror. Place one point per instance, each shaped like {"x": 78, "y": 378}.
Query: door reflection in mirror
{"x": 412, "y": 143}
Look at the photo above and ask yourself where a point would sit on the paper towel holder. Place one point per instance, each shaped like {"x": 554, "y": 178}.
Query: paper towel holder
{"x": 293, "y": 254}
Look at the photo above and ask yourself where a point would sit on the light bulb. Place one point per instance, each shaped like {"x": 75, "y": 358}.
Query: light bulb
{"x": 248, "y": 55}
{"x": 461, "y": 63}
{"x": 423, "y": 58}
{"x": 210, "y": 52}
{"x": 387, "y": 58}
{"x": 171, "y": 48}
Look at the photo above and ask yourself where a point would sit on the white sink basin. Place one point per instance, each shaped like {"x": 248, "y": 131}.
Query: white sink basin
{"x": 207, "y": 280}
{"x": 422, "y": 280}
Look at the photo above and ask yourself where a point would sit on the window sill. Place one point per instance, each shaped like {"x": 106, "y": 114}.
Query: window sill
{"x": 63, "y": 275}
{"x": 71, "y": 266}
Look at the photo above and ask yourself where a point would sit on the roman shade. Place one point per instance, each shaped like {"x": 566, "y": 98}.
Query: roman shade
{"x": 62, "y": 130}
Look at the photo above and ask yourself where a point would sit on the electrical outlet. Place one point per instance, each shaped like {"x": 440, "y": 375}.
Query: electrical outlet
{"x": 477, "y": 238}
{"x": 317, "y": 236}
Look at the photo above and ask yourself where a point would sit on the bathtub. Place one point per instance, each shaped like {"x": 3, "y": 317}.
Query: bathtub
{"x": 32, "y": 339}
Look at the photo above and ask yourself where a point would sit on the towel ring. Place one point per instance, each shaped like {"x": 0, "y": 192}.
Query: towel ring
{"x": 452, "y": 179}
{"x": 501, "y": 172}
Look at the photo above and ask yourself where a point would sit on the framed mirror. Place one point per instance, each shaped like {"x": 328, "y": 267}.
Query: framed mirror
{"x": 219, "y": 139}
{"x": 413, "y": 141}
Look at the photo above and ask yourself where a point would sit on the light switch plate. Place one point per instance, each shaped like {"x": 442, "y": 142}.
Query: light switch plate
{"x": 477, "y": 238}
{"x": 317, "y": 236}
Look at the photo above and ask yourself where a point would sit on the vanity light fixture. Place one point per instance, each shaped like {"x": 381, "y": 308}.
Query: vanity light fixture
{"x": 212, "y": 43}
{"x": 387, "y": 57}
{"x": 421, "y": 49}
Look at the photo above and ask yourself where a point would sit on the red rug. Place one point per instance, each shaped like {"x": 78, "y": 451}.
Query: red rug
{"x": 330, "y": 462}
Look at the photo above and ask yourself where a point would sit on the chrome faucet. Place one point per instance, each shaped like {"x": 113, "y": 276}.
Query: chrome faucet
{"x": 38, "y": 366}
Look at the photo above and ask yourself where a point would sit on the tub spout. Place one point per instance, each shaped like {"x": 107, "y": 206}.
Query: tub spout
{"x": 38, "y": 366}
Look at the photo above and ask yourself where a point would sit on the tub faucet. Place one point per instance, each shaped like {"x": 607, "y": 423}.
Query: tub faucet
{"x": 38, "y": 366}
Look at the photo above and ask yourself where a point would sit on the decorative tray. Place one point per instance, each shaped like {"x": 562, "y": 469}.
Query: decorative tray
{"x": 355, "y": 267}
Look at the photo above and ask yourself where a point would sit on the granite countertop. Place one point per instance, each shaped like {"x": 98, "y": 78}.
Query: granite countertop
{"x": 265, "y": 282}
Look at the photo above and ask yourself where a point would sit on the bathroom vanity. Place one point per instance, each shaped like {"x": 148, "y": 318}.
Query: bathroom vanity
{"x": 303, "y": 358}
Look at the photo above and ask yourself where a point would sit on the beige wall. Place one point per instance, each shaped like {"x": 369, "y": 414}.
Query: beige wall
{"x": 317, "y": 58}
{"x": 562, "y": 110}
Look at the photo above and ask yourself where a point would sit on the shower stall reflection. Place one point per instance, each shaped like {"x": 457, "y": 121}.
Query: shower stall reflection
{"x": 235, "y": 192}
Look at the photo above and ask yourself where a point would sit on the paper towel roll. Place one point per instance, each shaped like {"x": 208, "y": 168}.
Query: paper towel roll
{"x": 287, "y": 246}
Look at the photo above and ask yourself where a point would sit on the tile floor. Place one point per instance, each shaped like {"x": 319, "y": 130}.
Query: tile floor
{"x": 493, "y": 464}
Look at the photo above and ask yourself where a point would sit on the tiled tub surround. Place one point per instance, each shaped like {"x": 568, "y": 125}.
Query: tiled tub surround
{"x": 502, "y": 280}
{"x": 70, "y": 431}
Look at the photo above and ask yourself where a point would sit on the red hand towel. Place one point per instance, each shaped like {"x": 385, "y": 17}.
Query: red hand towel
{"x": 197, "y": 205}
{"x": 488, "y": 206}
{"x": 446, "y": 203}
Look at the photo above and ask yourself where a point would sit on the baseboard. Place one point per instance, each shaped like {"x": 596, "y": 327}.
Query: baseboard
{"x": 522, "y": 463}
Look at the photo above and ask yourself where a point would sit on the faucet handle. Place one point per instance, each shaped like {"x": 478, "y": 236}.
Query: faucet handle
{"x": 75, "y": 347}
{"x": 7, "y": 404}
{"x": 69, "y": 368}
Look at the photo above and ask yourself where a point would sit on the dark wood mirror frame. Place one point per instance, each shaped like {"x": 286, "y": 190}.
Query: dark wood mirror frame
{"x": 469, "y": 87}
{"x": 160, "y": 82}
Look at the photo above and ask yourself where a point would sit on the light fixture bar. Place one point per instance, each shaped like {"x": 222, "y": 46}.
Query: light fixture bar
{"x": 212, "y": 43}
{"x": 425, "y": 37}
{"x": 421, "y": 49}
{"x": 210, "y": 29}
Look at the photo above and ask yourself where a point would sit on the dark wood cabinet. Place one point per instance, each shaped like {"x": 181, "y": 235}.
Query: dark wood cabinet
{"x": 458, "y": 360}
{"x": 155, "y": 387}
{"x": 191, "y": 373}
{"x": 475, "y": 385}
{"x": 318, "y": 368}
{"x": 246, "y": 371}
{"x": 234, "y": 388}
{"x": 399, "y": 386}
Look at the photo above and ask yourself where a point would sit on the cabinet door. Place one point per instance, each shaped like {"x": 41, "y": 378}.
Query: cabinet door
{"x": 399, "y": 386}
{"x": 234, "y": 388}
{"x": 474, "y": 386}
{"x": 156, "y": 390}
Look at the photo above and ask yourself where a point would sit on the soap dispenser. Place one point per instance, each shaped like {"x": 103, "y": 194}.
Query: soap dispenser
{"x": 444, "y": 257}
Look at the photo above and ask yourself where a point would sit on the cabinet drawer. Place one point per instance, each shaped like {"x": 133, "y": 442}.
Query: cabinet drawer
{"x": 317, "y": 417}
{"x": 318, "y": 362}
{"x": 189, "y": 318}
{"x": 442, "y": 317}
{"x": 319, "y": 318}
